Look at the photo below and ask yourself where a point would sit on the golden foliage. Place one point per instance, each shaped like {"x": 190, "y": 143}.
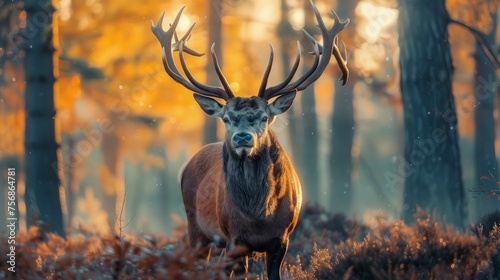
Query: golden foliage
{"x": 91, "y": 214}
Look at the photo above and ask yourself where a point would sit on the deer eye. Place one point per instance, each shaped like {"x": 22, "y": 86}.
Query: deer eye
{"x": 264, "y": 119}
{"x": 225, "y": 120}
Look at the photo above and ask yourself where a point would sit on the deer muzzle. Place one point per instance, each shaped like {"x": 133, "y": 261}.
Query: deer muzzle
{"x": 243, "y": 143}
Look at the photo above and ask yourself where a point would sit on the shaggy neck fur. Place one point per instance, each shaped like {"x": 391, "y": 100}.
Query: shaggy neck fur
{"x": 252, "y": 180}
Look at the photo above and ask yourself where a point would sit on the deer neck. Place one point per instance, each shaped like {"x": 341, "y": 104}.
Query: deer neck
{"x": 251, "y": 180}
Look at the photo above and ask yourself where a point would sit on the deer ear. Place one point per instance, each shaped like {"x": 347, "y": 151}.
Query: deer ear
{"x": 282, "y": 103}
{"x": 209, "y": 106}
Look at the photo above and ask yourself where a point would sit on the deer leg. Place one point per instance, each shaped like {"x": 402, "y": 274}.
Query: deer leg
{"x": 241, "y": 266}
{"x": 196, "y": 235}
{"x": 239, "y": 253}
{"x": 274, "y": 259}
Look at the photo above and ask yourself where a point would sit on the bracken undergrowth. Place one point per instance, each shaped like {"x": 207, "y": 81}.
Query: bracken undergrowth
{"x": 323, "y": 246}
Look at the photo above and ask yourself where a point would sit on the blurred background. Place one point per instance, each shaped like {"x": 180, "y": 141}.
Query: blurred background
{"x": 125, "y": 129}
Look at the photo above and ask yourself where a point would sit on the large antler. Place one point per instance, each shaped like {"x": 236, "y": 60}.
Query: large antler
{"x": 165, "y": 38}
{"x": 330, "y": 47}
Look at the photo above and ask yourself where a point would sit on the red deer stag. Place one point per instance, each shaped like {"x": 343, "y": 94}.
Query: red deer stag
{"x": 244, "y": 191}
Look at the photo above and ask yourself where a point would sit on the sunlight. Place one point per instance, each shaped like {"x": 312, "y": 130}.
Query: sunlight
{"x": 235, "y": 86}
{"x": 65, "y": 10}
{"x": 184, "y": 23}
{"x": 296, "y": 18}
{"x": 96, "y": 6}
{"x": 368, "y": 57}
{"x": 375, "y": 26}
{"x": 375, "y": 20}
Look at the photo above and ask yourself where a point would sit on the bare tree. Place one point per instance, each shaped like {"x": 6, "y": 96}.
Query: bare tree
{"x": 485, "y": 160}
{"x": 309, "y": 133}
{"x": 286, "y": 34}
{"x": 70, "y": 184}
{"x": 214, "y": 37}
{"x": 110, "y": 147}
{"x": 342, "y": 130}
{"x": 432, "y": 159}
{"x": 42, "y": 180}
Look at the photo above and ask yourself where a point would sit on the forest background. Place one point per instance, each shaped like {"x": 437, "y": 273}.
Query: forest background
{"x": 125, "y": 129}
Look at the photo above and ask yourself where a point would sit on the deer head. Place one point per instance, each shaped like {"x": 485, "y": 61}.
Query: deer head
{"x": 247, "y": 120}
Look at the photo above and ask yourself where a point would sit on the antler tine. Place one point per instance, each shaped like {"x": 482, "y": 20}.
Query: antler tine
{"x": 195, "y": 87}
{"x": 312, "y": 40}
{"x": 222, "y": 79}
{"x": 184, "y": 39}
{"x": 330, "y": 47}
{"x": 165, "y": 39}
{"x": 343, "y": 51}
{"x": 295, "y": 84}
{"x": 288, "y": 78}
{"x": 194, "y": 81}
{"x": 341, "y": 58}
{"x": 157, "y": 30}
{"x": 263, "y": 85}
{"x": 174, "y": 74}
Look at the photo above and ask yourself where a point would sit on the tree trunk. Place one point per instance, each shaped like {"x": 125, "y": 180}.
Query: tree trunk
{"x": 340, "y": 158}
{"x": 168, "y": 191}
{"x": 431, "y": 166}
{"x": 111, "y": 179}
{"x": 214, "y": 36}
{"x": 310, "y": 156}
{"x": 70, "y": 183}
{"x": 42, "y": 181}
{"x": 10, "y": 37}
{"x": 286, "y": 33}
{"x": 342, "y": 123}
{"x": 485, "y": 160}
{"x": 309, "y": 133}
{"x": 6, "y": 30}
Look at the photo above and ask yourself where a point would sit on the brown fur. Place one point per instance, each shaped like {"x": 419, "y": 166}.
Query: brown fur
{"x": 252, "y": 201}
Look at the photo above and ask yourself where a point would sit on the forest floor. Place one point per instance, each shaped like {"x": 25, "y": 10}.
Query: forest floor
{"x": 323, "y": 246}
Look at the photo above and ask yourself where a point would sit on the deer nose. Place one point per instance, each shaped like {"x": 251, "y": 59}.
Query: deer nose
{"x": 243, "y": 139}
